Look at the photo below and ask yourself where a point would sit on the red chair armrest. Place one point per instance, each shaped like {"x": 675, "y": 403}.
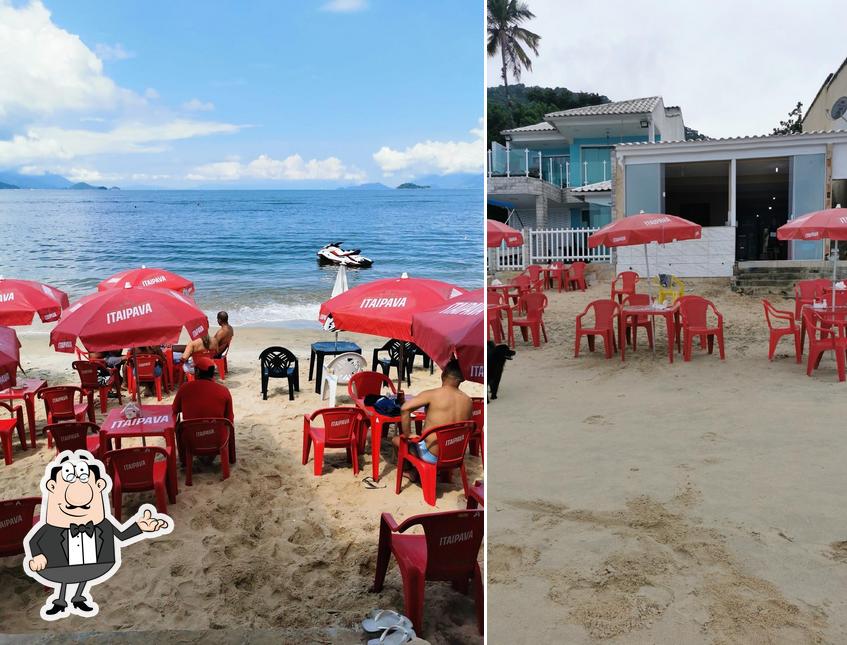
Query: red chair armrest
{"x": 390, "y": 522}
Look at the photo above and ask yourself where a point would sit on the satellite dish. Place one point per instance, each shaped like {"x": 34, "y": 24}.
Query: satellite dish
{"x": 838, "y": 108}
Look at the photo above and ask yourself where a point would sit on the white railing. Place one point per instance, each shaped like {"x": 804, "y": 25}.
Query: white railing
{"x": 542, "y": 246}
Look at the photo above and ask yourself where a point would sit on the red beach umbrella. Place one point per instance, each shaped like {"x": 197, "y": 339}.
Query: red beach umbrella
{"x": 148, "y": 277}
{"x": 10, "y": 357}
{"x": 643, "y": 229}
{"x": 455, "y": 328}
{"x": 497, "y": 233}
{"x": 830, "y": 224}
{"x": 20, "y": 300}
{"x": 119, "y": 318}
{"x": 385, "y": 307}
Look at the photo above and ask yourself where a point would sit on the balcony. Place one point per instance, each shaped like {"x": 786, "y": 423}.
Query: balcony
{"x": 556, "y": 170}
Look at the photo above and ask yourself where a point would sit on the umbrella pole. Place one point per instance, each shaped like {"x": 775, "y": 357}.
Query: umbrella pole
{"x": 401, "y": 368}
{"x": 834, "y": 256}
{"x": 650, "y": 293}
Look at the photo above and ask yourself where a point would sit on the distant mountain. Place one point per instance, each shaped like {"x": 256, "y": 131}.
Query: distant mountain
{"x": 5, "y": 186}
{"x": 369, "y": 186}
{"x": 34, "y": 181}
{"x": 83, "y": 186}
{"x": 410, "y": 186}
{"x": 458, "y": 181}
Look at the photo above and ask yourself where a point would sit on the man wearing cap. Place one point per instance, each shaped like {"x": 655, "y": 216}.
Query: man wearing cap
{"x": 203, "y": 398}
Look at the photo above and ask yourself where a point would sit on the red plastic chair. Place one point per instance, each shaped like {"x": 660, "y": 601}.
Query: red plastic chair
{"x": 340, "y": 428}
{"x": 840, "y": 297}
{"x": 806, "y": 292}
{"x": 220, "y": 361}
{"x": 536, "y": 277}
{"x": 476, "y": 496}
{"x": 89, "y": 381}
{"x": 59, "y": 405}
{"x": 17, "y": 517}
{"x": 559, "y": 276}
{"x": 206, "y": 437}
{"x": 823, "y": 339}
{"x": 628, "y": 280}
{"x": 360, "y": 386}
{"x": 447, "y": 551}
{"x": 576, "y": 277}
{"x": 776, "y": 332}
{"x": 524, "y": 285}
{"x": 477, "y": 443}
{"x": 145, "y": 372}
{"x": 634, "y": 322}
{"x": 531, "y": 306}
{"x": 693, "y": 311}
{"x": 452, "y": 444}
{"x": 135, "y": 470}
{"x": 606, "y": 312}
{"x": 7, "y": 426}
{"x": 74, "y": 435}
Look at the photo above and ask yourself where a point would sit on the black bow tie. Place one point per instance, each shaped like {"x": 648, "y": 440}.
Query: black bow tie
{"x": 87, "y": 528}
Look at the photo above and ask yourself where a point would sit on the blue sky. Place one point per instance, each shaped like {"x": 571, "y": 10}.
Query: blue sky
{"x": 272, "y": 94}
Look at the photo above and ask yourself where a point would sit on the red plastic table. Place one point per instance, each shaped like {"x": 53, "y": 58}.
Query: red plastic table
{"x": 377, "y": 421}
{"x": 26, "y": 390}
{"x": 670, "y": 314}
{"x": 155, "y": 421}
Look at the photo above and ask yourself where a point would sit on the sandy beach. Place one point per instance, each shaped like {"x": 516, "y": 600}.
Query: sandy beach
{"x": 273, "y": 550}
{"x": 643, "y": 502}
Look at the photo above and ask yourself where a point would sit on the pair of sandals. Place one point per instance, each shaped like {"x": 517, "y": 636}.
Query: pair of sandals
{"x": 393, "y": 628}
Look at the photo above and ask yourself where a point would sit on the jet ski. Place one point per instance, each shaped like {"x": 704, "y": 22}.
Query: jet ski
{"x": 332, "y": 253}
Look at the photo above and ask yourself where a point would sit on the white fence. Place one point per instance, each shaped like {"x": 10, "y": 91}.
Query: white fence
{"x": 542, "y": 246}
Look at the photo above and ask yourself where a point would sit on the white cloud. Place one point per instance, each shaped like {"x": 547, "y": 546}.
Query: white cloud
{"x": 151, "y": 93}
{"x": 45, "y": 69}
{"x": 46, "y": 143}
{"x": 112, "y": 52}
{"x": 196, "y": 105}
{"x": 265, "y": 167}
{"x": 441, "y": 157}
{"x": 345, "y": 6}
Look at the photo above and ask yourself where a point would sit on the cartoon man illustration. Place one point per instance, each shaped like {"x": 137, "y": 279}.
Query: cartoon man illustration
{"x": 77, "y": 540}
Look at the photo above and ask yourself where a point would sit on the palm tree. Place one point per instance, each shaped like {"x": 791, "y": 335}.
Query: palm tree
{"x": 505, "y": 35}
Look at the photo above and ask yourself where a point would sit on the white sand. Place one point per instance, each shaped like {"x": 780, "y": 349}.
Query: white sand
{"x": 273, "y": 547}
{"x": 644, "y": 502}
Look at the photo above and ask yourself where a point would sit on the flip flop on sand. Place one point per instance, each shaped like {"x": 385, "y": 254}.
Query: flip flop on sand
{"x": 380, "y": 620}
{"x": 370, "y": 484}
{"x": 396, "y": 635}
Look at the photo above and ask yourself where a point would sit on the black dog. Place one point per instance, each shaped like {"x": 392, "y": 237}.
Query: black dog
{"x": 497, "y": 357}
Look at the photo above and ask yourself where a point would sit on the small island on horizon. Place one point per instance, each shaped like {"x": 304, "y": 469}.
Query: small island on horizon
{"x": 410, "y": 186}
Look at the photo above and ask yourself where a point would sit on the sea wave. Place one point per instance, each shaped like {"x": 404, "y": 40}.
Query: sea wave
{"x": 271, "y": 313}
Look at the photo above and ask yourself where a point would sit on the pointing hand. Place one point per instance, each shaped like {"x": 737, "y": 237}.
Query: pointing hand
{"x": 148, "y": 523}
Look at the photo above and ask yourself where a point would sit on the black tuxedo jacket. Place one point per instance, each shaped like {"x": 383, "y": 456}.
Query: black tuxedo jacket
{"x": 52, "y": 542}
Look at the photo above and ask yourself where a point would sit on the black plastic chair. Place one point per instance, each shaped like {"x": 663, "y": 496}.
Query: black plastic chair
{"x": 278, "y": 362}
{"x": 428, "y": 363}
{"x": 392, "y": 347}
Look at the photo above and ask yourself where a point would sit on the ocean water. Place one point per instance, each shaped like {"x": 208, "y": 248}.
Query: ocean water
{"x": 251, "y": 252}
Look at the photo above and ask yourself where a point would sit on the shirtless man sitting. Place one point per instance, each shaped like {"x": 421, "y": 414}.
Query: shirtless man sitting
{"x": 446, "y": 404}
{"x": 223, "y": 337}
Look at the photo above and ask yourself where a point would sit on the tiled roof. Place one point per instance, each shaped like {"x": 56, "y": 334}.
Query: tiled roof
{"x": 535, "y": 127}
{"x": 598, "y": 187}
{"x": 632, "y": 106}
{"x": 754, "y": 137}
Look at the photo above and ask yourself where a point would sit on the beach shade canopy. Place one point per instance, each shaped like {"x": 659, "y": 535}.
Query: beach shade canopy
{"x": 148, "y": 277}
{"x": 21, "y": 300}
{"x": 123, "y": 318}
{"x": 10, "y": 357}
{"x": 455, "y": 328}
{"x": 497, "y": 233}
{"x": 385, "y": 307}
{"x": 829, "y": 224}
{"x": 643, "y": 229}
